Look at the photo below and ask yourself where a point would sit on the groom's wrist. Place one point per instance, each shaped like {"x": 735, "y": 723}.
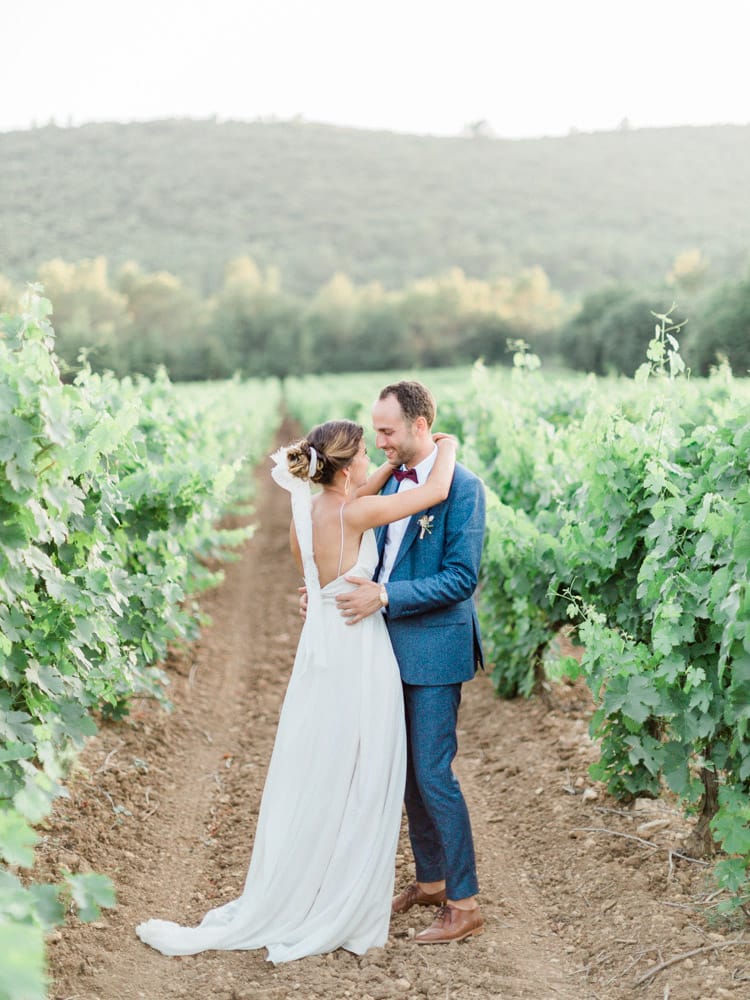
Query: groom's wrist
{"x": 383, "y": 596}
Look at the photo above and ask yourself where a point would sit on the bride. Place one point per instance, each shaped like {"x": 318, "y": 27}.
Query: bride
{"x": 322, "y": 866}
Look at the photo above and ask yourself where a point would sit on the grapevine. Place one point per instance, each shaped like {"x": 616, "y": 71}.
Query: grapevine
{"x": 109, "y": 495}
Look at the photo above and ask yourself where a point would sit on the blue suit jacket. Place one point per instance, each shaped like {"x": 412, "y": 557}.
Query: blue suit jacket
{"x": 431, "y": 616}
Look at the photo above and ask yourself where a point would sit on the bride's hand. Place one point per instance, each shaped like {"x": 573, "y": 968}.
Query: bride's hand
{"x": 438, "y": 437}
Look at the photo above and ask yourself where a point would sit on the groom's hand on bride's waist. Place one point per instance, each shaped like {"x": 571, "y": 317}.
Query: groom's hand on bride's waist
{"x": 302, "y": 602}
{"x": 361, "y": 602}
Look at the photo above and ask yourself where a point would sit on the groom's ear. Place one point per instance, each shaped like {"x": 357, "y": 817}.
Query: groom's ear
{"x": 421, "y": 425}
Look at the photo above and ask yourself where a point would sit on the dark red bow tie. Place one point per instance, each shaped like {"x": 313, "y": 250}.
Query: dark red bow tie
{"x": 402, "y": 474}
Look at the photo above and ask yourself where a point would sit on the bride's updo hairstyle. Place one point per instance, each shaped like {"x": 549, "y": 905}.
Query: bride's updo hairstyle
{"x": 336, "y": 443}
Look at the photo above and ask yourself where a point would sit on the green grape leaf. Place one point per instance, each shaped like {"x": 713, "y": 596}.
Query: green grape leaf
{"x": 17, "y": 839}
{"x": 22, "y": 950}
{"x": 90, "y": 892}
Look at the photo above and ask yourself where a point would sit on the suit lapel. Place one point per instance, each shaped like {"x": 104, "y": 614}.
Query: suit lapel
{"x": 412, "y": 530}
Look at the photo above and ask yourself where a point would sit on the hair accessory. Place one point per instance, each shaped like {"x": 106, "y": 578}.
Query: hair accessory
{"x": 313, "y": 463}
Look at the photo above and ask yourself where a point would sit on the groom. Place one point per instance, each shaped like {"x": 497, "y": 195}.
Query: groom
{"x": 427, "y": 574}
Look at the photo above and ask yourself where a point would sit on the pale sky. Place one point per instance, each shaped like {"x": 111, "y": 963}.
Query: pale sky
{"x": 527, "y": 67}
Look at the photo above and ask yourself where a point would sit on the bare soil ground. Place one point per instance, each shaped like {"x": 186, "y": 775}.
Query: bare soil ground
{"x": 576, "y": 907}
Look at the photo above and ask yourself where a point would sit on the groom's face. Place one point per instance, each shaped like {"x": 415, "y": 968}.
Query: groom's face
{"x": 394, "y": 435}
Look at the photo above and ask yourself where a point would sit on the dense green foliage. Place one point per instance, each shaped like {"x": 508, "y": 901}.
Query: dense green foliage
{"x": 109, "y": 495}
{"x": 629, "y": 517}
{"x": 620, "y": 508}
{"x": 138, "y": 322}
{"x": 312, "y": 200}
{"x": 610, "y": 331}
{"x": 723, "y": 329}
{"x": 143, "y": 321}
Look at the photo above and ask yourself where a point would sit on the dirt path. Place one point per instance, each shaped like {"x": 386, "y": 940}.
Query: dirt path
{"x": 167, "y": 804}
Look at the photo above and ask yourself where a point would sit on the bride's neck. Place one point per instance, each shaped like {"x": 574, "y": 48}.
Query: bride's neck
{"x": 338, "y": 491}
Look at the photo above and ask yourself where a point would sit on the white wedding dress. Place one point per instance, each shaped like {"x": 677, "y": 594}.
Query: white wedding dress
{"x": 322, "y": 867}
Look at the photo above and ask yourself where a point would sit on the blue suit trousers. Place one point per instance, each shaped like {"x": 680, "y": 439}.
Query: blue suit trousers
{"x": 439, "y": 825}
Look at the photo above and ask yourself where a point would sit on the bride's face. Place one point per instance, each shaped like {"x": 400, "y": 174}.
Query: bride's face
{"x": 360, "y": 466}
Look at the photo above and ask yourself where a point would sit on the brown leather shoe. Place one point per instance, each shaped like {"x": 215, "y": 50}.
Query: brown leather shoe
{"x": 452, "y": 924}
{"x": 414, "y": 896}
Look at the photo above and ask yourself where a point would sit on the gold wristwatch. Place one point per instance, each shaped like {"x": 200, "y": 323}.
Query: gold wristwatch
{"x": 383, "y": 596}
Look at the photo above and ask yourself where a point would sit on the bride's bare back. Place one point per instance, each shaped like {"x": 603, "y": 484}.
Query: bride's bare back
{"x": 335, "y": 543}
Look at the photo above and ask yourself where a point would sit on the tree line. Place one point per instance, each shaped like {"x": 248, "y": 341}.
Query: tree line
{"x": 135, "y": 321}
{"x": 138, "y": 320}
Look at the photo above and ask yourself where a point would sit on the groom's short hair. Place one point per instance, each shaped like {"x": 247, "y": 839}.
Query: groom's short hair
{"x": 415, "y": 400}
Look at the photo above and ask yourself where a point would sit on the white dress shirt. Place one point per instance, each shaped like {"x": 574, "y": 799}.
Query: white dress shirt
{"x": 396, "y": 530}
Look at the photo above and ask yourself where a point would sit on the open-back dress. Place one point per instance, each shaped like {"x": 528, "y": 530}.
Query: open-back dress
{"x": 322, "y": 865}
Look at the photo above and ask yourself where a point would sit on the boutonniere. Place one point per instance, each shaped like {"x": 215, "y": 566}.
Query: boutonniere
{"x": 425, "y": 523}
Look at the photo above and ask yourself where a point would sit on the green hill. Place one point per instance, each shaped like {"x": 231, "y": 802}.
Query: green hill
{"x": 187, "y": 196}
